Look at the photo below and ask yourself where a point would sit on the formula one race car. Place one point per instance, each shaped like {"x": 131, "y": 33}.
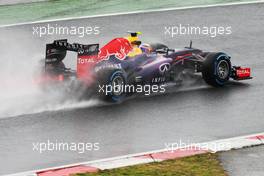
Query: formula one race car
{"x": 126, "y": 63}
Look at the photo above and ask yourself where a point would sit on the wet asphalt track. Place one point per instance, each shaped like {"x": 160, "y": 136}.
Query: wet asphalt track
{"x": 247, "y": 161}
{"x": 141, "y": 124}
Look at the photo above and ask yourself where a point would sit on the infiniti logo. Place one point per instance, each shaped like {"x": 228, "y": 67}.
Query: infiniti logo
{"x": 164, "y": 67}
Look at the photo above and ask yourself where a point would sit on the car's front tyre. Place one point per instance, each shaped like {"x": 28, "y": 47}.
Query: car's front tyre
{"x": 216, "y": 69}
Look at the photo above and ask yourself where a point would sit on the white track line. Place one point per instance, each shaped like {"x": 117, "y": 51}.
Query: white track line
{"x": 136, "y": 12}
{"x": 235, "y": 143}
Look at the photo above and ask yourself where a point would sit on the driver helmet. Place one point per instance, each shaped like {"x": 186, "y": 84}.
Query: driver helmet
{"x": 145, "y": 48}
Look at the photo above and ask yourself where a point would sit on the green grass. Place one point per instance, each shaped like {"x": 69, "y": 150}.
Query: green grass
{"x": 198, "y": 165}
{"x": 73, "y": 8}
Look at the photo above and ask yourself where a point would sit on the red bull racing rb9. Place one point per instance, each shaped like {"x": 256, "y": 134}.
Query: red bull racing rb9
{"x": 124, "y": 65}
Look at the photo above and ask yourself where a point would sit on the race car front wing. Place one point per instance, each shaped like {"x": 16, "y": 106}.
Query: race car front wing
{"x": 241, "y": 73}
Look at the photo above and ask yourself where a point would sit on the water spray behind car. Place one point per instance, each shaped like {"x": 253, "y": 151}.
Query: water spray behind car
{"x": 19, "y": 69}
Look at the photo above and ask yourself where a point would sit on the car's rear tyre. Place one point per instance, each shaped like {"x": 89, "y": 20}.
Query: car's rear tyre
{"x": 216, "y": 69}
{"x": 114, "y": 82}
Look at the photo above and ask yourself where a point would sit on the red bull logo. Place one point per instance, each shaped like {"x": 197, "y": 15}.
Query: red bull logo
{"x": 118, "y": 47}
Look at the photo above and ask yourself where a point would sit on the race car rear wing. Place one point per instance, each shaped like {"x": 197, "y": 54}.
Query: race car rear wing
{"x": 86, "y": 56}
{"x": 56, "y": 51}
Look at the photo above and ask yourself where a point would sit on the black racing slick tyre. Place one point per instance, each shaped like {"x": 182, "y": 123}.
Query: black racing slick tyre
{"x": 216, "y": 69}
{"x": 113, "y": 83}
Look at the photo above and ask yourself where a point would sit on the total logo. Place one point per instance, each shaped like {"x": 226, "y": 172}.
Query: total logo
{"x": 243, "y": 71}
{"x": 85, "y": 60}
